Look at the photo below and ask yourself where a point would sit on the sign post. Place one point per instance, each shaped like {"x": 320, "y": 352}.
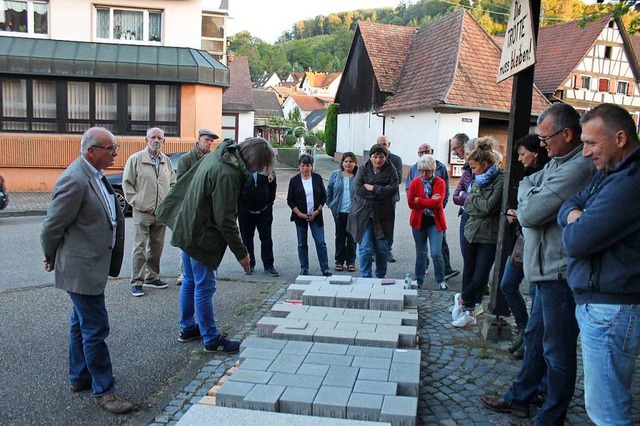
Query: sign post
{"x": 519, "y": 47}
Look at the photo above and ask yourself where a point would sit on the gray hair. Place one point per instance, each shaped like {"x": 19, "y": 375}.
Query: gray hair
{"x": 470, "y": 144}
{"x": 155, "y": 128}
{"x": 92, "y": 137}
{"x": 426, "y": 162}
{"x": 563, "y": 116}
{"x": 257, "y": 154}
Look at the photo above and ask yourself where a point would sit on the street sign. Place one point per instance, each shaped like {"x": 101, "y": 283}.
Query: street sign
{"x": 518, "y": 48}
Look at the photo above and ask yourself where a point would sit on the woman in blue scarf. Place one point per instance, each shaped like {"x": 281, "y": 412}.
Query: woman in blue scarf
{"x": 481, "y": 230}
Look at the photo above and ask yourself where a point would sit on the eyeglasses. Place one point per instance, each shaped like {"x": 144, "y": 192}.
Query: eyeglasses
{"x": 112, "y": 149}
{"x": 544, "y": 139}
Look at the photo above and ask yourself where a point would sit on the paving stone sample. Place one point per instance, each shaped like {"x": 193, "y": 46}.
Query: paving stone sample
{"x": 296, "y": 380}
{"x": 313, "y": 369}
{"x": 295, "y": 291}
{"x": 406, "y": 317}
{"x": 329, "y": 359}
{"x": 292, "y": 333}
{"x": 364, "y": 407}
{"x": 351, "y": 300}
{"x": 329, "y": 348}
{"x": 297, "y": 348}
{"x": 322, "y": 298}
{"x": 407, "y": 333}
{"x": 269, "y": 354}
{"x": 386, "y": 340}
{"x": 340, "y": 279}
{"x": 281, "y": 310}
{"x": 256, "y": 342}
{"x": 410, "y": 298}
{"x": 298, "y": 401}
{"x": 250, "y": 376}
{"x": 344, "y": 377}
{"x": 205, "y": 415}
{"x": 307, "y": 279}
{"x": 231, "y": 394}
{"x": 346, "y": 337}
{"x": 332, "y": 402}
{"x": 355, "y": 326}
{"x": 370, "y": 352}
{"x": 324, "y": 324}
{"x": 407, "y": 376}
{"x": 374, "y": 374}
{"x": 263, "y": 398}
{"x": 386, "y": 302}
{"x": 307, "y": 314}
{"x": 410, "y": 356}
{"x": 286, "y": 363}
{"x": 256, "y": 364}
{"x": 371, "y": 362}
{"x": 375, "y": 387}
{"x": 266, "y": 325}
{"x": 399, "y": 410}
{"x": 382, "y": 321}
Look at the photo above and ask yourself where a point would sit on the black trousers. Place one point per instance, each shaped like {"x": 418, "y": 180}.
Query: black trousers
{"x": 262, "y": 221}
{"x": 345, "y": 246}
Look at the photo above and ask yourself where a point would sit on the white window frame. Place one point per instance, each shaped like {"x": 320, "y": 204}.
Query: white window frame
{"x": 582, "y": 85}
{"x": 30, "y": 21}
{"x": 625, "y": 84}
{"x": 145, "y": 25}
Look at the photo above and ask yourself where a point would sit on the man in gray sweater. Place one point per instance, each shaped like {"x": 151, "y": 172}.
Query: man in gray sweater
{"x": 552, "y": 332}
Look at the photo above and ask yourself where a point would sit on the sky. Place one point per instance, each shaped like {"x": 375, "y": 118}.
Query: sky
{"x": 269, "y": 19}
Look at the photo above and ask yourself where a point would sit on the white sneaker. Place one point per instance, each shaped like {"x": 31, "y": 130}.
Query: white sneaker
{"x": 457, "y": 311}
{"x": 479, "y": 309}
{"x": 465, "y": 320}
{"x": 443, "y": 285}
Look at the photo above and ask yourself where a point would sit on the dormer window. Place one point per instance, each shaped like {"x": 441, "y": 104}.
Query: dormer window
{"x": 27, "y": 17}
{"x": 128, "y": 25}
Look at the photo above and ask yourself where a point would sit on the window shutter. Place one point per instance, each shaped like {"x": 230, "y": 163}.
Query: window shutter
{"x": 603, "y": 85}
{"x": 630, "y": 89}
{"x": 577, "y": 80}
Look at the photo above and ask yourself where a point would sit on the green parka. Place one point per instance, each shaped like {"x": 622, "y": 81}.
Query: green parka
{"x": 202, "y": 207}
{"x": 483, "y": 207}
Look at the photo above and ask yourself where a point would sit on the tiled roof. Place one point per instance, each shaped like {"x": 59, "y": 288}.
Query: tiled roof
{"x": 560, "y": 49}
{"x": 321, "y": 79}
{"x": 387, "y": 47}
{"x": 261, "y": 81}
{"x": 313, "y": 119}
{"x": 290, "y": 84}
{"x": 635, "y": 45}
{"x": 267, "y": 104}
{"x": 454, "y": 62}
{"x": 239, "y": 95}
{"x": 309, "y": 103}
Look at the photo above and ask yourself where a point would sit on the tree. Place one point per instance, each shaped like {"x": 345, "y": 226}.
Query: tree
{"x": 295, "y": 117}
{"x": 331, "y": 129}
{"x": 627, "y": 10}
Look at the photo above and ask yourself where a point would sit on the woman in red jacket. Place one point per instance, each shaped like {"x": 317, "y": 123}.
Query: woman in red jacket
{"x": 425, "y": 198}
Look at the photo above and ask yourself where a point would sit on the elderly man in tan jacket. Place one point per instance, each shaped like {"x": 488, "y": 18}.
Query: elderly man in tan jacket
{"x": 148, "y": 176}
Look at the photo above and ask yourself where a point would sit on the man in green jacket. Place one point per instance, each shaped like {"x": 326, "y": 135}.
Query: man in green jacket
{"x": 201, "y": 210}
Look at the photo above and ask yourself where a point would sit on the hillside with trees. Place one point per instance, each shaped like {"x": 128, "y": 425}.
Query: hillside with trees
{"x": 322, "y": 43}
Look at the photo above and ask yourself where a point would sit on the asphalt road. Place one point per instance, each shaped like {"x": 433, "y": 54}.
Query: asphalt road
{"x": 150, "y": 365}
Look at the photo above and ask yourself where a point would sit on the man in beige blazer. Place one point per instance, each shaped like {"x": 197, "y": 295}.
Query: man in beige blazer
{"x": 83, "y": 240}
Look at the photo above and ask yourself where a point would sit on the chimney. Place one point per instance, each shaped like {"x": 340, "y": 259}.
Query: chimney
{"x": 230, "y": 56}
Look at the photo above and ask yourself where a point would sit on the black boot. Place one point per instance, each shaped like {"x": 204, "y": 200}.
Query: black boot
{"x": 519, "y": 341}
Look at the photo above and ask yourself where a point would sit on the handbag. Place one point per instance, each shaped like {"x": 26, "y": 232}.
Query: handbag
{"x": 517, "y": 253}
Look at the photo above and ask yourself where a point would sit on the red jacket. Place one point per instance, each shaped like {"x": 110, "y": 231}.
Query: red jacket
{"x": 416, "y": 189}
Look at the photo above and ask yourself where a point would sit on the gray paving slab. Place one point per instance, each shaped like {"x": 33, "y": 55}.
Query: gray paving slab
{"x": 296, "y": 380}
{"x": 323, "y": 324}
{"x": 231, "y": 394}
{"x": 323, "y": 335}
{"x": 370, "y": 352}
{"x": 411, "y": 356}
{"x": 207, "y": 415}
{"x": 263, "y": 398}
{"x": 306, "y": 279}
{"x": 375, "y": 387}
{"x": 250, "y": 376}
{"x": 329, "y": 359}
{"x": 256, "y": 364}
{"x": 387, "y": 302}
{"x": 364, "y": 407}
{"x": 344, "y": 377}
{"x": 295, "y": 291}
{"x": 340, "y": 279}
{"x": 256, "y": 342}
{"x": 400, "y": 410}
{"x": 331, "y": 401}
{"x": 407, "y": 333}
{"x": 352, "y": 300}
{"x": 313, "y": 369}
{"x": 286, "y": 363}
{"x": 407, "y": 376}
{"x": 355, "y": 326}
{"x": 288, "y": 333}
{"x": 362, "y": 313}
{"x": 386, "y": 340}
{"x": 371, "y": 362}
{"x": 357, "y": 319}
{"x": 307, "y": 315}
{"x": 382, "y": 321}
{"x": 297, "y": 348}
{"x": 259, "y": 353}
{"x": 282, "y": 310}
{"x": 329, "y": 348}
{"x": 298, "y": 401}
{"x": 375, "y": 374}
{"x": 266, "y": 325}
{"x": 324, "y": 298}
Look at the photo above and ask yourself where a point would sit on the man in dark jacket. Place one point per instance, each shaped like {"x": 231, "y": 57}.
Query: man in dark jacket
{"x": 202, "y": 210}
{"x": 397, "y": 163}
{"x": 256, "y": 211}
{"x": 603, "y": 243}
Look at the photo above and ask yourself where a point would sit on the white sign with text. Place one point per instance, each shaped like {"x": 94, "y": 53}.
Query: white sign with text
{"x": 518, "y": 48}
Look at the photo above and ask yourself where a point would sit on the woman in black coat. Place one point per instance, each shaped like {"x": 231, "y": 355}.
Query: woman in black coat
{"x": 306, "y": 197}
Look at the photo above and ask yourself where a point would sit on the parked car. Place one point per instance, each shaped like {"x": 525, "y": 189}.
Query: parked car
{"x": 4, "y": 198}
{"x": 116, "y": 181}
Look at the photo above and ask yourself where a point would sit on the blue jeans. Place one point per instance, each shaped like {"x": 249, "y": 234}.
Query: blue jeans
{"x": 610, "y": 336}
{"x": 428, "y": 234}
{"x": 89, "y": 359}
{"x": 370, "y": 245}
{"x": 510, "y": 287}
{"x": 550, "y": 341}
{"x": 478, "y": 260}
{"x": 446, "y": 256}
{"x": 317, "y": 233}
{"x": 196, "y": 297}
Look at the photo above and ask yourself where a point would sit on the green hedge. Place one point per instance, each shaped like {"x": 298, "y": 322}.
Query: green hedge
{"x": 331, "y": 129}
{"x": 288, "y": 157}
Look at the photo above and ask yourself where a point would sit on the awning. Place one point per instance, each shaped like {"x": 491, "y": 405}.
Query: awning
{"x": 58, "y": 58}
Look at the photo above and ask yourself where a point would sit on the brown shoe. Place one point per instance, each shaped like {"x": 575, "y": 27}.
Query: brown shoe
{"x": 113, "y": 403}
{"x": 499, "y": 405}
{"x": 527, "y": 423}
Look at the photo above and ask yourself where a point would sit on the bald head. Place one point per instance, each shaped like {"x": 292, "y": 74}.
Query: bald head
{"x": 424, "y": 148}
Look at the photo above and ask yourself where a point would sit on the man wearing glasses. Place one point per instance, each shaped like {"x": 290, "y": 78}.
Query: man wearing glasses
{"x": 552, "y": 331}
{"x": 83, "y": 239}
{"x": 441, "y": 172}
{"x": 148, "y": 176}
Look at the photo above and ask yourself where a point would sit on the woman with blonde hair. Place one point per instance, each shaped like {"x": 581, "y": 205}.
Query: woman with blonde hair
{"x": 482, "y": 205}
